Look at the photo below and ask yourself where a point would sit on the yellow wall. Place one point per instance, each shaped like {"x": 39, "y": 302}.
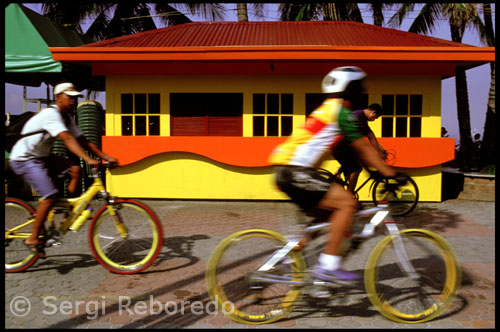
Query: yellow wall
{"x": 183, "y": 175}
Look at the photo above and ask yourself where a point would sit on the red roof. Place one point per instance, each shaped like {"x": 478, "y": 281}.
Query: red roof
{"x": 303, "y": 33}
{"x": 261, "y": 48}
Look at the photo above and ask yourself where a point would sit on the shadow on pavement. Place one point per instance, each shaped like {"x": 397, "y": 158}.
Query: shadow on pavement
{"x": 425, "y": 217}
{"x": 430, "y": 218}
{"x": 63, "y": 263}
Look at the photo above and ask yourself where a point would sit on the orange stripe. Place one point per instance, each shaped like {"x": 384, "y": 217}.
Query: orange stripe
{"x": 255, "y": 151}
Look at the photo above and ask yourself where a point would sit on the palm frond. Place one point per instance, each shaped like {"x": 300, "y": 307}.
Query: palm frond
{"x": 426, "y": 19}
{"x": 259, "y": 9}
{"x": 96, "y": 29}
{"x": 170, "y": 15}
{"x": 378, "y": 15}
{"x": 209, "y": 11}
{"x": 397, "y": 19}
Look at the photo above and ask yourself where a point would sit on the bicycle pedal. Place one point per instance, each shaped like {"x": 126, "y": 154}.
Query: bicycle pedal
{"x": 322, "y": 283}
{"x": 318, "y": 292}
{"x": 52, "y": 243}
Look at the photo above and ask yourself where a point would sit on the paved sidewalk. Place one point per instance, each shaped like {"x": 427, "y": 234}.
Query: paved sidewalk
{"x": 71, "y": 290}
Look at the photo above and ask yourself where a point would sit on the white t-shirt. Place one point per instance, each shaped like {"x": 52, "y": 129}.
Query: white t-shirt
{"x": 40, "y": 145}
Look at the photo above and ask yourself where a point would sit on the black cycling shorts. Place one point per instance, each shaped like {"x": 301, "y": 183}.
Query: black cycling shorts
{"x": 305, "y": 186}
{"x": 347, "y": 158}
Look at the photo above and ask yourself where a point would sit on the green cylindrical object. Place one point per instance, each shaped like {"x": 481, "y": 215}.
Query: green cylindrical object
{"x": 89, "y": 115}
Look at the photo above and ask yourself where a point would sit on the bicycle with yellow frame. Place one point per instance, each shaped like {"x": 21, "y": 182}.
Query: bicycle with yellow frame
{"x": 125, "y": 235}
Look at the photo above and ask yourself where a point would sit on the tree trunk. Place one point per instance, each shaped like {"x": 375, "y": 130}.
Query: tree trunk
{"x": 467, "y": 159}
{"x": 242, "y": 12}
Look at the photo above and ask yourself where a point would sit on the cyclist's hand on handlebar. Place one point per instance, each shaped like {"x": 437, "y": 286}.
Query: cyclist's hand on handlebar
{"x": 110, "y": 159}
{"x": 94, "y": 163}
{"x": 111, "y": 163}
{"x": 401, "y": 178}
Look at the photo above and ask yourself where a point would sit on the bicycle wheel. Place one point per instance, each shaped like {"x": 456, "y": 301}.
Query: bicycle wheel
{"x": 232, "y": 277}
{"x": 401, "y": 199}
{"x": 130, "y": 252}
{"x": 418, "y": 299}
{"x": 17, "y": 256}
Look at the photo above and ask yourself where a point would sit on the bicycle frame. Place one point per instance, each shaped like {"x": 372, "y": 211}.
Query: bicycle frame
{"x": 381, "y": 215}
{"x": 74, "y": 207}
{"x": 346, "y": 182}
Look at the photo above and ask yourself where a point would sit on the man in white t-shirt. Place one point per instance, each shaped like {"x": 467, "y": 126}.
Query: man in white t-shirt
{"x": 30, "y": 157}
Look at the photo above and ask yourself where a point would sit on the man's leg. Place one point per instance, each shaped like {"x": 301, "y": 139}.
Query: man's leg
{"x": 74, "y": 173}
{"x": 330, "y": 260}
{"x": 353, "y": 181}
{"x": 36, "y": 173}
{"x": 40, "y": 215}
{"x": 344, "y": 207}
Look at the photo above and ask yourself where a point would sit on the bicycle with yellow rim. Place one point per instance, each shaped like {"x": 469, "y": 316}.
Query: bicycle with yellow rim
{"x": 125, "y": 236}
{"x": 258, "y": 276}
{"x": 402, "y": 199}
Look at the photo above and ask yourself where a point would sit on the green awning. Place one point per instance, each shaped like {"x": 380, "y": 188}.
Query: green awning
{"x": 28, "y": 36}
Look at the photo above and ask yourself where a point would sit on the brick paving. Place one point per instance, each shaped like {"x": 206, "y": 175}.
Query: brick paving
{"x": 71, "y": 290}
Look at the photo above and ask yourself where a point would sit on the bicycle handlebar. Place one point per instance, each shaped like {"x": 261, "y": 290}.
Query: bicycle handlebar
{"x": 104, "y": 165}
{"x": 109, "y": 164}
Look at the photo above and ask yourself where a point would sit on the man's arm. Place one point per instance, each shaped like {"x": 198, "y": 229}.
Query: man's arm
{"x": 84, "y": 142}
{"x": 73, "y": 146}
{"x": 368, "y": 154}
{"x": 373, "y": 141}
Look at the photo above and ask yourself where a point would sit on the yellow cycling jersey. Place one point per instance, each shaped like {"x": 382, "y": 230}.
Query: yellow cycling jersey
{"x": 322, "y": 131}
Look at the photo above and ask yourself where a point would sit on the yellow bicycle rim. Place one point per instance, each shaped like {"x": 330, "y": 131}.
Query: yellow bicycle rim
{"x": 218, "y": 296}
{"x": 452, "y": 282}
{"x": 134, "y": 266}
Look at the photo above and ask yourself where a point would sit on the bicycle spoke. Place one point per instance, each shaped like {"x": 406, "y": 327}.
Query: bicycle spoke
{"x": 404, "y": 298}
{"x": 17, "y": 256}
{"x": 256, "y": 296}
{"x": 134, "y": 252}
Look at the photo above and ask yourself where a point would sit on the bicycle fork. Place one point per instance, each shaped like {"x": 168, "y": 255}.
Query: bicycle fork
{"x": 393, "y": 230}
{"x": 113, "y": 211}
{"x": 399, "y": 248}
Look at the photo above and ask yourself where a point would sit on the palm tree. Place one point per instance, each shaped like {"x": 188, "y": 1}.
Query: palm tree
{"x": 242, "y": 11}
{"x": 343, "y": 11}
{"x": 114, "y": 19}
{"x": 460, "y": 16}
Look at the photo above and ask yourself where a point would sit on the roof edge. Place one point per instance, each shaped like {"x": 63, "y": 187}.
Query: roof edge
{"x": 239, "y": 53}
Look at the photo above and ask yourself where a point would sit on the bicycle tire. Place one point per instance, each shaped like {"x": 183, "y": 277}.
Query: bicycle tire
{"x": 18, "y": 257}
{"x": 409, "y": 300}
{"x": 229, "y": 286}
{"x": 401, "y": 199}
{"x": 141, "y": 246}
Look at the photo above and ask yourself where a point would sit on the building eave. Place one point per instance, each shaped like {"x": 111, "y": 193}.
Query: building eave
{"x": 274, "y": 53}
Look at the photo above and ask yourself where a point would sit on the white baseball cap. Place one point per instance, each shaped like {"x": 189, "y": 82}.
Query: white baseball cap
{"x": 67, "y": 88}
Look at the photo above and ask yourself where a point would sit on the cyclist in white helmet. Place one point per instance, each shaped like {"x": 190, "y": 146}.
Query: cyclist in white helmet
{"x": 298, "y": 158}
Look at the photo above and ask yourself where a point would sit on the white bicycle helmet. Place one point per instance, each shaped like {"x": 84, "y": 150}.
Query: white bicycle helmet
{"x": 338, "y": 79}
